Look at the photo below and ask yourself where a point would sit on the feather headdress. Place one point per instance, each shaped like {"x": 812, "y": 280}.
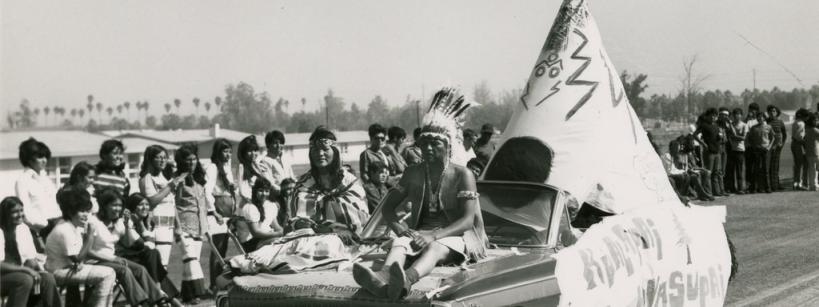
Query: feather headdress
{"x": 444, "y": 120}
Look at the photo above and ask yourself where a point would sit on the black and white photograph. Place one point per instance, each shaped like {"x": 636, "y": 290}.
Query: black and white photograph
{"x": 409, "y": 153}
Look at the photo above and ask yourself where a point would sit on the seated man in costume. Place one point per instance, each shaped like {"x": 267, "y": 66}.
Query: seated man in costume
{"x": 443, "y": 226}
{"x": 327, "y": 211}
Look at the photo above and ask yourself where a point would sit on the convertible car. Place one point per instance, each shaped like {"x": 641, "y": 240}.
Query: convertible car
{"x": 525, "y": 222}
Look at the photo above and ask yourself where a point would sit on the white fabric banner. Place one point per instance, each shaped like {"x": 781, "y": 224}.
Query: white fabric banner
{"x": 649, "y": 257}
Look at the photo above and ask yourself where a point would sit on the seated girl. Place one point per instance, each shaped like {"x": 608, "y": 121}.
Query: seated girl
{"x": 20, "y": 273}
{"x": 259, "y": 224}
{"x": 67, "y": 249}
{"x": 143, "y": 250}
{"x": 112, "y": 227}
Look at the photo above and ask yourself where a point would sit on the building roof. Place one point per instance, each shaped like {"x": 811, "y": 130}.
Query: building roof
{"x": 63, "y": 143}
{"x": 203, "y": 135}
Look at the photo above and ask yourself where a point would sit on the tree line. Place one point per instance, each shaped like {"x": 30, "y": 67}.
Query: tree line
{"x": 244, "y": 109}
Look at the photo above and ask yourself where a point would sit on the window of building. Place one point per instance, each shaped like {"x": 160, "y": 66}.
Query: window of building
{"x": 62, "y": 169}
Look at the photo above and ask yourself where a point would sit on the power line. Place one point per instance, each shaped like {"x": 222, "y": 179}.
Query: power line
{"x": 771, "y": 57}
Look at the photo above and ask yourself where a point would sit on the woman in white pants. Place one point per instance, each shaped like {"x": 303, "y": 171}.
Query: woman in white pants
{"x": 160, "y": 193}
{"x": 191, "y": 209}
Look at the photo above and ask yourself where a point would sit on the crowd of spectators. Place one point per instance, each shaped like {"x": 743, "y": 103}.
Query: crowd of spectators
{"x": 96, "y": 232}
{"x": 727, "y": 152}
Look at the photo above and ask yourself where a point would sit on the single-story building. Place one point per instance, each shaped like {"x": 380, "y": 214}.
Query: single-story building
{"x": 68, "y": 147}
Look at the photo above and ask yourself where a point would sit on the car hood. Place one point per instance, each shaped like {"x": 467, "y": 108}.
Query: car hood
{"x": 509, "y": 271}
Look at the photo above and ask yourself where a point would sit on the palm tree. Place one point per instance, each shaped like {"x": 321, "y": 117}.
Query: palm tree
{"x": 217, "y": 100}
{"x": 177, "y": 103}
{"x": 36, "y": 114}
{"x": 167, "y": 108}
{"x": 119, "y": 110}
{"x": 99, "y": 112}
{"x": 303, "y": 104}
{"x": 73, "y": 115}
{"x": 207, "y": 109}
{"x": 145, "y": 106}
{"x": 127, "y": 105}
{"x": 110, "y": 111}
{"x": 57, "y": 110}
{"x": 196, "y": 105}
{"x": 81, "y": 113}
{"x": 46, "y": 110}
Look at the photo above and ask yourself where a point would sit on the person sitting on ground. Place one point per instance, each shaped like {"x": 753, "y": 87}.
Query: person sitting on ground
{"x": 20, "y": 272}
{"x": 476, "y": 165}
{"x": 67, "y": 249}
{"x": 696, "y": 178}
{"x": 259, "y": 223}
{"x": 442, "y": 227}
{"x": 143, "y": 249}
{"x": 112, "y": 227}
{"x": 377, "y": 188}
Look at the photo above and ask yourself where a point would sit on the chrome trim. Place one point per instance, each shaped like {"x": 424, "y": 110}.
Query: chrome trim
{"x": 515, "y": 285}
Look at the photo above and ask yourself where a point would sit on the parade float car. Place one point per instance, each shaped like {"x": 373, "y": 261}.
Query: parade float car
{"x": 523, "y": 221}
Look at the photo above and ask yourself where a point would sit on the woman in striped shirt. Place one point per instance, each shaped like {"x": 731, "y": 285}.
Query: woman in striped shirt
{"x": 109, "y": 170}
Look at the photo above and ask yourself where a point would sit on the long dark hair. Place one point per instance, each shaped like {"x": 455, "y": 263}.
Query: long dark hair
{"x": 195, "y": 175}
{"x": 335, "y": 166}
{"x": 247, "y": 145}
{"x": 147, "y": 158}
{"x": 5, "y": 213}
{"x": 260, "y": 184}
{"x": 219, "y": 159}
{"x": 9, "y": 231}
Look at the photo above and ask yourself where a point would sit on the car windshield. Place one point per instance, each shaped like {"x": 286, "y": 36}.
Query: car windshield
{"x": 516, "y": 214}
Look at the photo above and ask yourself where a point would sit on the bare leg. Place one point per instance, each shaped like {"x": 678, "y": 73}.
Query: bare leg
{"x": 396, "y": 255}
{"x": 433, "y": 254}
{"x": 401, "y": 281}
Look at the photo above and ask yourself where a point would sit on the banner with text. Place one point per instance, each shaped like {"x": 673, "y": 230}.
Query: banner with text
{"x": 649, "y": 257}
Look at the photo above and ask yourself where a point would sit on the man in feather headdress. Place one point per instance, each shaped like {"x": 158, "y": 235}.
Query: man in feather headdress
{"x": 444, "y": 224}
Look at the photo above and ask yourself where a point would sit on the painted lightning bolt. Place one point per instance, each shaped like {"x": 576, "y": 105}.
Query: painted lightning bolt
{"x": 572, "y": 79}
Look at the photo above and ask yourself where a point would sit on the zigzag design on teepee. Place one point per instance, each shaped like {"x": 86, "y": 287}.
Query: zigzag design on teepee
{"x": 572, "y": 80}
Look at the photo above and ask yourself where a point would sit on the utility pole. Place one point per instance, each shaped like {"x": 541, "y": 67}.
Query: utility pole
{"x": 754, "y": 79}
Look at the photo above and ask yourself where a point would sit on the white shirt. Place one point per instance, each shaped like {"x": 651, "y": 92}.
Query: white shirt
{"x": 25, "y": 244}
{"x": 39, "y": 197}
{"x": 63, "y": 241}
{"x": 105, "y": 239}
{"x": 251, "y": 214}
{"x": 279, "y": 168}
{"x": 149, "y": 185}
{"x": 214, "y": 186}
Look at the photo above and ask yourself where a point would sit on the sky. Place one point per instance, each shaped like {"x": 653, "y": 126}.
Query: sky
{"x": 59, "y": 52}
